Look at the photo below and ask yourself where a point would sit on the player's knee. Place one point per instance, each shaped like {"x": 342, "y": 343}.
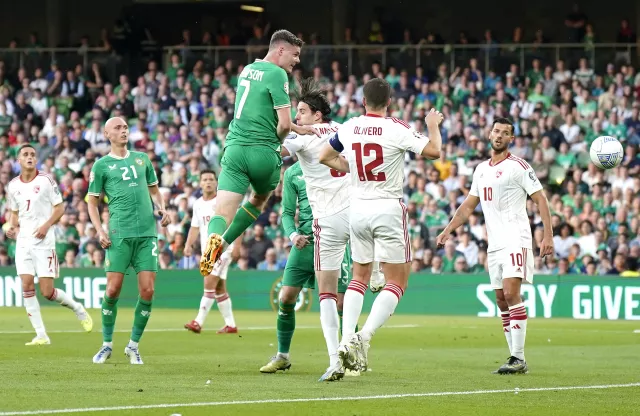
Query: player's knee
{"x": 288, "y": 296}
{"x": 46, "y": 292}
{"x": 28, "y": 285}
{"x": 146, "y": 293}
{"x": 340, "y": 302}
{"x": 511, "y": 296}
{"x": 259, "y": 201}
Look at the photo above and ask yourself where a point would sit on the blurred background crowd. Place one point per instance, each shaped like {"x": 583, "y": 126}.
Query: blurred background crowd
{"x": 179, "y": 107}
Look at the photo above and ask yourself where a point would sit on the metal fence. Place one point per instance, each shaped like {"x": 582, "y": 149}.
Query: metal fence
{"x": 352, "y": 59}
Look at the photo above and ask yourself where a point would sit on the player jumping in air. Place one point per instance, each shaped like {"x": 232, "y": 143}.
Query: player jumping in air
{"x": 329, "y": 197}
{"x": 36, "y": 205}
{"x": 261, "y": 121}
{"x": 299, "y": 272}
{"x": 129, "y": 182}
{"x": 215, "y": 284}
{"x": 375, "y": 148}
{"x": 501, "y": 185}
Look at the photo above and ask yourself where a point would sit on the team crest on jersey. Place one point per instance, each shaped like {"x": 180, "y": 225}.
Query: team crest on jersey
{"x": 92, "y": 177}
{"x": 498, "y": 173}
{"x": 36, "y": 189}
{"x": 532, "y": 176}
{"x": 56, "y": 190}
{"x": 107, "y": 263}
{"x": 139, "y": 161}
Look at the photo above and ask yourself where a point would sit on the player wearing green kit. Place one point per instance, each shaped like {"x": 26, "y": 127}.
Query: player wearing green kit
{"x": 299, "y": 272}
{"x": 261, "y": 121}
{"x": 129, "y": 182}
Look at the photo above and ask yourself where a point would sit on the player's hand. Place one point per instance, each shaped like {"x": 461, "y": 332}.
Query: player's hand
{"x": 188, "y": 251}
{"x": 307, "y": 130}
{"x": 546, "y": 246}
{"x": 13, "y": 232}
{"x": 164, "y": 221}
{"x": 442, "y": 238}
{"x": 104, "y": 239}
{"x": 300, "y": 241}
{"x": 433, "y": 118}
{"x": 41, "y": 232}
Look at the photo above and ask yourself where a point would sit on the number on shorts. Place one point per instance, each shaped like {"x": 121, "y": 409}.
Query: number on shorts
{"x": 125, "y": 173}
{"x": 365, "y": 173}
{"x": 50, "y": 262}
{"x": 247, "y": 86}
{"x": 516, "y": 259}
{"x": 28, "y": 204}
{"x": 337, "y": 173}
{"x": 154, "y": 250}
{"x": 488, "y": 194}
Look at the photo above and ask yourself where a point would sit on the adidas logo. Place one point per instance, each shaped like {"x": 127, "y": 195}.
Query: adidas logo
{"x": 519, "y": 270}
{"x": 506, "y": 330}
{"x": 107, "y": 312}
{"x": 516, "y": 326}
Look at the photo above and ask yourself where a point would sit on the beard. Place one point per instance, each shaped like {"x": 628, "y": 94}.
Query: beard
{"x": 497, "y": 148}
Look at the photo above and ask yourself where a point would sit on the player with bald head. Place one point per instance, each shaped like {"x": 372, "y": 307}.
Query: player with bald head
{"x": 129, "y": 182}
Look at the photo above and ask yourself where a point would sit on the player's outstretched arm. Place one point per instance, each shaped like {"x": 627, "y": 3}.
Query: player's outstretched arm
{"x": 546, "y": 245}
{"x": 460, "y": 217}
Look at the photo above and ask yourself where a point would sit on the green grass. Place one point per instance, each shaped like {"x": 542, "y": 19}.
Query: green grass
{"x": 435, "y": 354}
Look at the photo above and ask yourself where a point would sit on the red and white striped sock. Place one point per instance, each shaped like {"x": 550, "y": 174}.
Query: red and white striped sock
{"x": 518, "y": 318}
{"x": 382, "y": 309}
{"x": 224, "y": 306}
{"x": 208, "y": 298}
{"x": 32, "y": 306}
{"x": 506, "y": 327}
{"x": 59, "y": 296}
{"x": 352, "y": 308}
{"x": 330, "y": 324}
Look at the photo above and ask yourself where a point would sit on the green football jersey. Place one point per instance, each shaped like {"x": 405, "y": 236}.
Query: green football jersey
{"x": 294, "y": 193}
{"x": 263, "y": 88}
{"x": 125, "y": 182}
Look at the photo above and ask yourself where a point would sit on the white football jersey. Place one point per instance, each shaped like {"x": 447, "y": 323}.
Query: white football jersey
{"x": 503, "y": 189}
{"x": 327, "y": 189}
{"x": 375, "y": 148}
{"x": 203, "y": 211}
{"x": 34, "y": 202}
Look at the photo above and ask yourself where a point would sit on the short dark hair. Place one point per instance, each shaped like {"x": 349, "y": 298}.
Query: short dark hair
{"x": 377, "y": 92}
{"x": 205, "y": 171}
{"x": 26, "y": 146}
{"x": 285, "y": 36}
{"x": 312, "y": 94}
{"x": 503, "y": 120}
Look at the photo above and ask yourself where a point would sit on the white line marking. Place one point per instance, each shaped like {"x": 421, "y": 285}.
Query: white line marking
{"x": 314, "y": 399}
{"x": 249, "y": 328}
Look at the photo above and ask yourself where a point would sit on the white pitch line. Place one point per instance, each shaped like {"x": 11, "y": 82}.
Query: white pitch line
{"x": 249, "y": 328}
{"x": 313, "y": 399}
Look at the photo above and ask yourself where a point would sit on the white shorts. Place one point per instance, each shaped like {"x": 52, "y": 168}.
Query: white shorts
{"x": 331, "y": 235}
{"x": 221, "y": 267}
{"x": 37, "y": 262}
{"x": 507, "y": 263}
{"x": 379, "y": 231}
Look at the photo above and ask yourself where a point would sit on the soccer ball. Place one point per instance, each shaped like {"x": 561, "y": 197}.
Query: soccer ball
{"x": 606, "y": 152}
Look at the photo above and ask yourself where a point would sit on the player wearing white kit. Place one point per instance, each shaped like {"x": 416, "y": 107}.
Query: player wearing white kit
{"x": 215, "y": 287}
{"x": 375, "y": 147}
{"x": 36, "y": 205}
{"x": 501, "y": 185}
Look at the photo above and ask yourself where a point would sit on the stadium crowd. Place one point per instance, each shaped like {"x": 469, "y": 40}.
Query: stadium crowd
{"x": 180, "y": 116}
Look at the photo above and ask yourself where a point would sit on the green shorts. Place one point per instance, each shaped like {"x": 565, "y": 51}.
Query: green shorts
{"x": 299, "y": 271}
{"x": 141, "y": 253}
{"x": 258, "y": 166}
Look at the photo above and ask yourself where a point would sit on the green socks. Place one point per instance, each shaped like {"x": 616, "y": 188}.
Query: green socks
{"x": 340, "y": 316}
{"x": 246, "y": 215}
{"x": 140, "y": 319}
{"x": 217, "y": 225}
{"x": 109, "y": 313}
{"x": 285, "y": 326}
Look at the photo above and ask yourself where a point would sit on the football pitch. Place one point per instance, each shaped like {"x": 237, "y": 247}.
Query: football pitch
{"x": 420, "y": 365}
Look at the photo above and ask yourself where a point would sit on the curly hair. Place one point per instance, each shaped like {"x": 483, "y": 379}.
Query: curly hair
{"x": 312, "y": 94}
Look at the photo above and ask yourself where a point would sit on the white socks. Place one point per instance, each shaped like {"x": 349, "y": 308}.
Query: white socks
{"x": 382, "y": 309}
{"x": 518, "y": 318}
{"x": 65, "y": 300}
{"x": 224, "y": 306}
{"x": 330, "y": 322}
{"x": 205, "y": 306}
{"x": 33, "y": 311}
{"x": 506, "y": 328}
{"x": 351, "y": 308}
